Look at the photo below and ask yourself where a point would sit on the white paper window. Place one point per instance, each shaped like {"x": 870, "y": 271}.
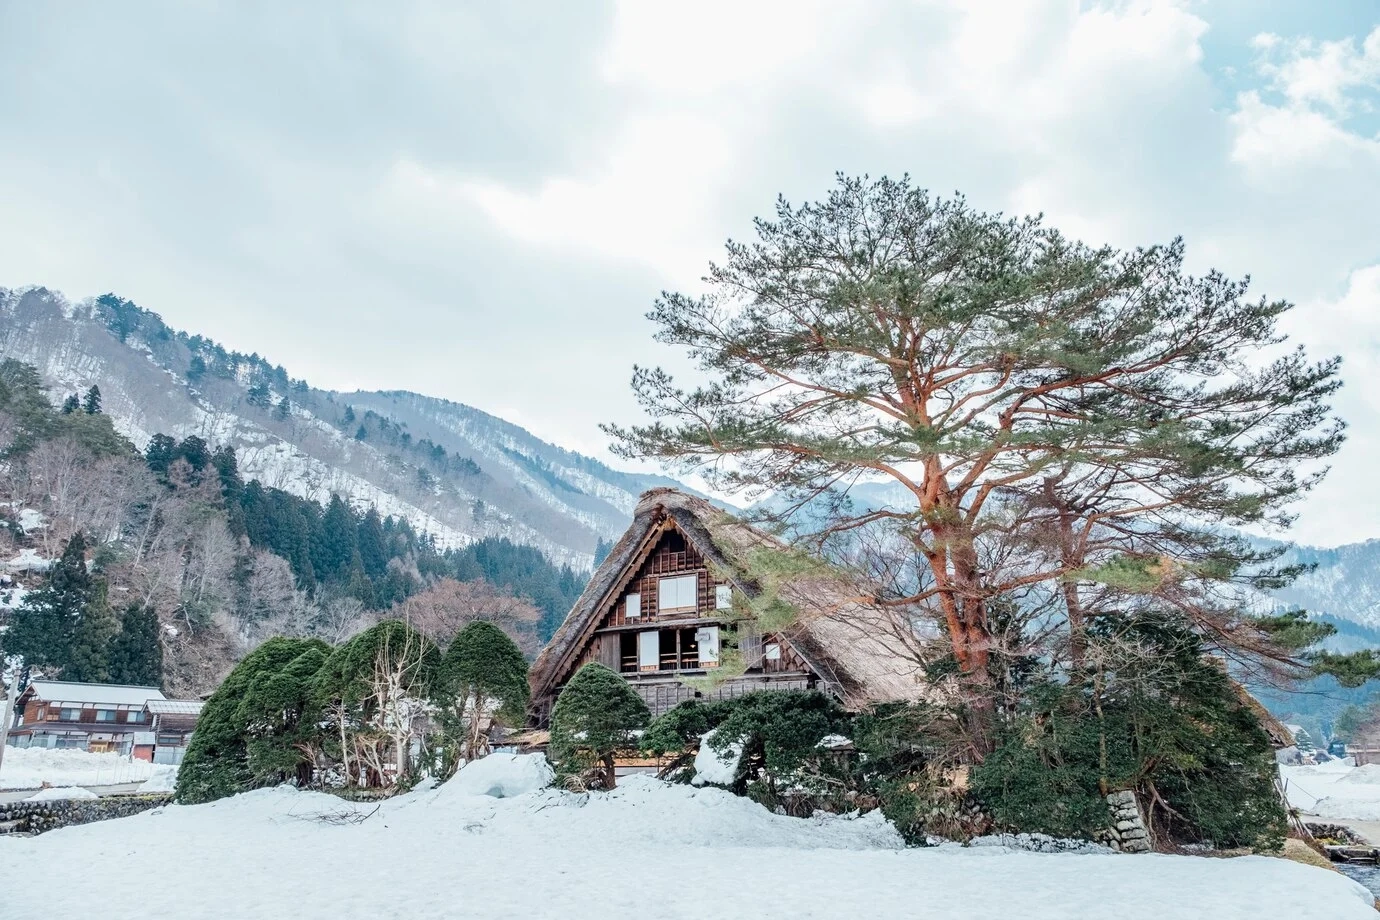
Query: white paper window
{"x": 678, "y": 593}
{"x": 648, "y": 650}
{"x": 633, "y": 607}
{"x": 771, "y": 651}
{"x": 723, "y": 597}
{"x": 707, "y": 638}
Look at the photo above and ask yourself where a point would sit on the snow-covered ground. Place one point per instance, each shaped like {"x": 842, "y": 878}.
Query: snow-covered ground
{"x": 1335, "y": 789}
{"x": 29, "y": 768}
{"x": 484, "y": 846}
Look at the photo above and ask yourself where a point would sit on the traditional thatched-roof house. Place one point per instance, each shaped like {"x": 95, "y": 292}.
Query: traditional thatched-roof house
{"x": 688, "y": 582}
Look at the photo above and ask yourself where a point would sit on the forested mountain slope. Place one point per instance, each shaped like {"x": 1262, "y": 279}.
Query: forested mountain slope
{"x": 454, "y": 472}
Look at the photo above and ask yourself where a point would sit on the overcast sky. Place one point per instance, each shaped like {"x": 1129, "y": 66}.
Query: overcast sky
{"x": 480, "y": 203}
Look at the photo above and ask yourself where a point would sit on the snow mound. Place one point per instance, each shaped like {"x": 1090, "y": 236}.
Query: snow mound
{"x": 164, "y": 779}
{"x": 500, "y": 776}
{"x": 551, "y": 853}
{"x": 714, "y": 767}
{"x": 30, "y": 768}
{"x": 1039, "y": 843}
{"x": 1368, "y": 775}
{"x": 59, "y": 793}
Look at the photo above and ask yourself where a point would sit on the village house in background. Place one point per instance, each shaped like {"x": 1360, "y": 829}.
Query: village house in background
{"x": 664, "y": 607}
{"x": 104, "y": 718}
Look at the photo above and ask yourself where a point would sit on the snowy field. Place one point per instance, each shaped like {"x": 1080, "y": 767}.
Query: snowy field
{"x": 30, "y": 768}
{"x": 491, "y": 844}
{"x": 1335, "y": 789}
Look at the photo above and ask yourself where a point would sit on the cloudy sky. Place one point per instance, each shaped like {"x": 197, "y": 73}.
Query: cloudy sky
{"x": 480, "y": 201}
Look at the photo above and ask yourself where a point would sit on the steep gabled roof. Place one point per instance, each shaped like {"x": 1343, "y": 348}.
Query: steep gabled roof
{"x": 854, "y": 645}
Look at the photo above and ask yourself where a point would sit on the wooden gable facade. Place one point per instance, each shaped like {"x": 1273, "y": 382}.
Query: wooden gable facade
{"x": 666, "y": 610}
{"x": 669, "y": 618}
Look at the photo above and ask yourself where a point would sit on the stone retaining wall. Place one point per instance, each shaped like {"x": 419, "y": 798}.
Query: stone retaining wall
{"x": 37, "y": 817}
{"x": 1127, "y": 833}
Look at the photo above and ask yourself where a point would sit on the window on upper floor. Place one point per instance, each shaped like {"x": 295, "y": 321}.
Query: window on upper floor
{"x": 678, "y": 593}
{"x": 723, "y": 597}
{"x": 105, "y": 715}
{"x": 632, "y": 607}
{"x": 70, "y": 715}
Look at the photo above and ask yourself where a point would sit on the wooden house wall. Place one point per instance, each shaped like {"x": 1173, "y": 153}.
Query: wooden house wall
{"x": 665, "y": 561}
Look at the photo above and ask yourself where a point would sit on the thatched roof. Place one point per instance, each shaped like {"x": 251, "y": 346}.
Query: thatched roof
{"x": 1280, "y": 736}
{"x": 855, "y": 646}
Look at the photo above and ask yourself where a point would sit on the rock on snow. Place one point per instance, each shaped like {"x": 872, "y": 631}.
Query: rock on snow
{"x": 645, "y": 849}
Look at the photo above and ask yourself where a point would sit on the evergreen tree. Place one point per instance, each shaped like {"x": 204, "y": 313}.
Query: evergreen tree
{"x": 1097, "y": 418}
{"x": 259, "y": 395}
{"x": 160, "y": 453}
{"x": 349, "y": 415}
{"x": 217, "y": 761}
{"x": 195, "y": 451}
{"x": 283, "y": 729}
{"x": 44, "y": 627}
{"x": 284, "y": 410}
{"x": 337, "y": 546}
{"x": 361, "y": 433}
{"x": 196, "y": 368}
{"x": 595, "y": 717}
{"x": 602, "y": 548}
{"x": 373, "y": 551}
{"x": 485, "y": 675}
{"x": 71, "y": 404}
{"x": 88, "y": 660}
{"x": 136, "y": 654}
{"x": 91, "y": 405}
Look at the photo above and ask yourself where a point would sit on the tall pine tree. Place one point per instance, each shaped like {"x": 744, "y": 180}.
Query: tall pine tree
{"x": 66, "y": 624}
{"x": 92, "y": 403}
{"x": 136, "y": 655}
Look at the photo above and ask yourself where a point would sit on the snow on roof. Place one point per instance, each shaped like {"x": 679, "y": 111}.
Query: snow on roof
{"x": 174, "y": 707}
{"x": 57, "y": 691}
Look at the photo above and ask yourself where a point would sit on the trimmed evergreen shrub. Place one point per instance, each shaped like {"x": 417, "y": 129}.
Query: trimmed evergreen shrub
{"x": 595, "y": 716}
{"x": 484, "y": 676}
{"x": 217, "y": 762}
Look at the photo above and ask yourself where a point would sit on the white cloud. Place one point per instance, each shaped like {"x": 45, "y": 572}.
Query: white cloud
{"x": 1318, "y": 85}
{"x": 1345, "y": 507}
{"x": 647, "y": 200}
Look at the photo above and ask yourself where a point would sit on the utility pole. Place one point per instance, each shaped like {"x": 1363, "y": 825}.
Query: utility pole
{"x": 10, "y": 696}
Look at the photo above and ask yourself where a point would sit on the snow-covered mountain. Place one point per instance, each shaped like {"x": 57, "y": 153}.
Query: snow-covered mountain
{"x": 452, "y": 470}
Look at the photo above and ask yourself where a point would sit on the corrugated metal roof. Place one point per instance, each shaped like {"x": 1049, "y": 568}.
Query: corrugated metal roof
{"x": 58, "y": 691}
{"x": 174, "y": 707}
